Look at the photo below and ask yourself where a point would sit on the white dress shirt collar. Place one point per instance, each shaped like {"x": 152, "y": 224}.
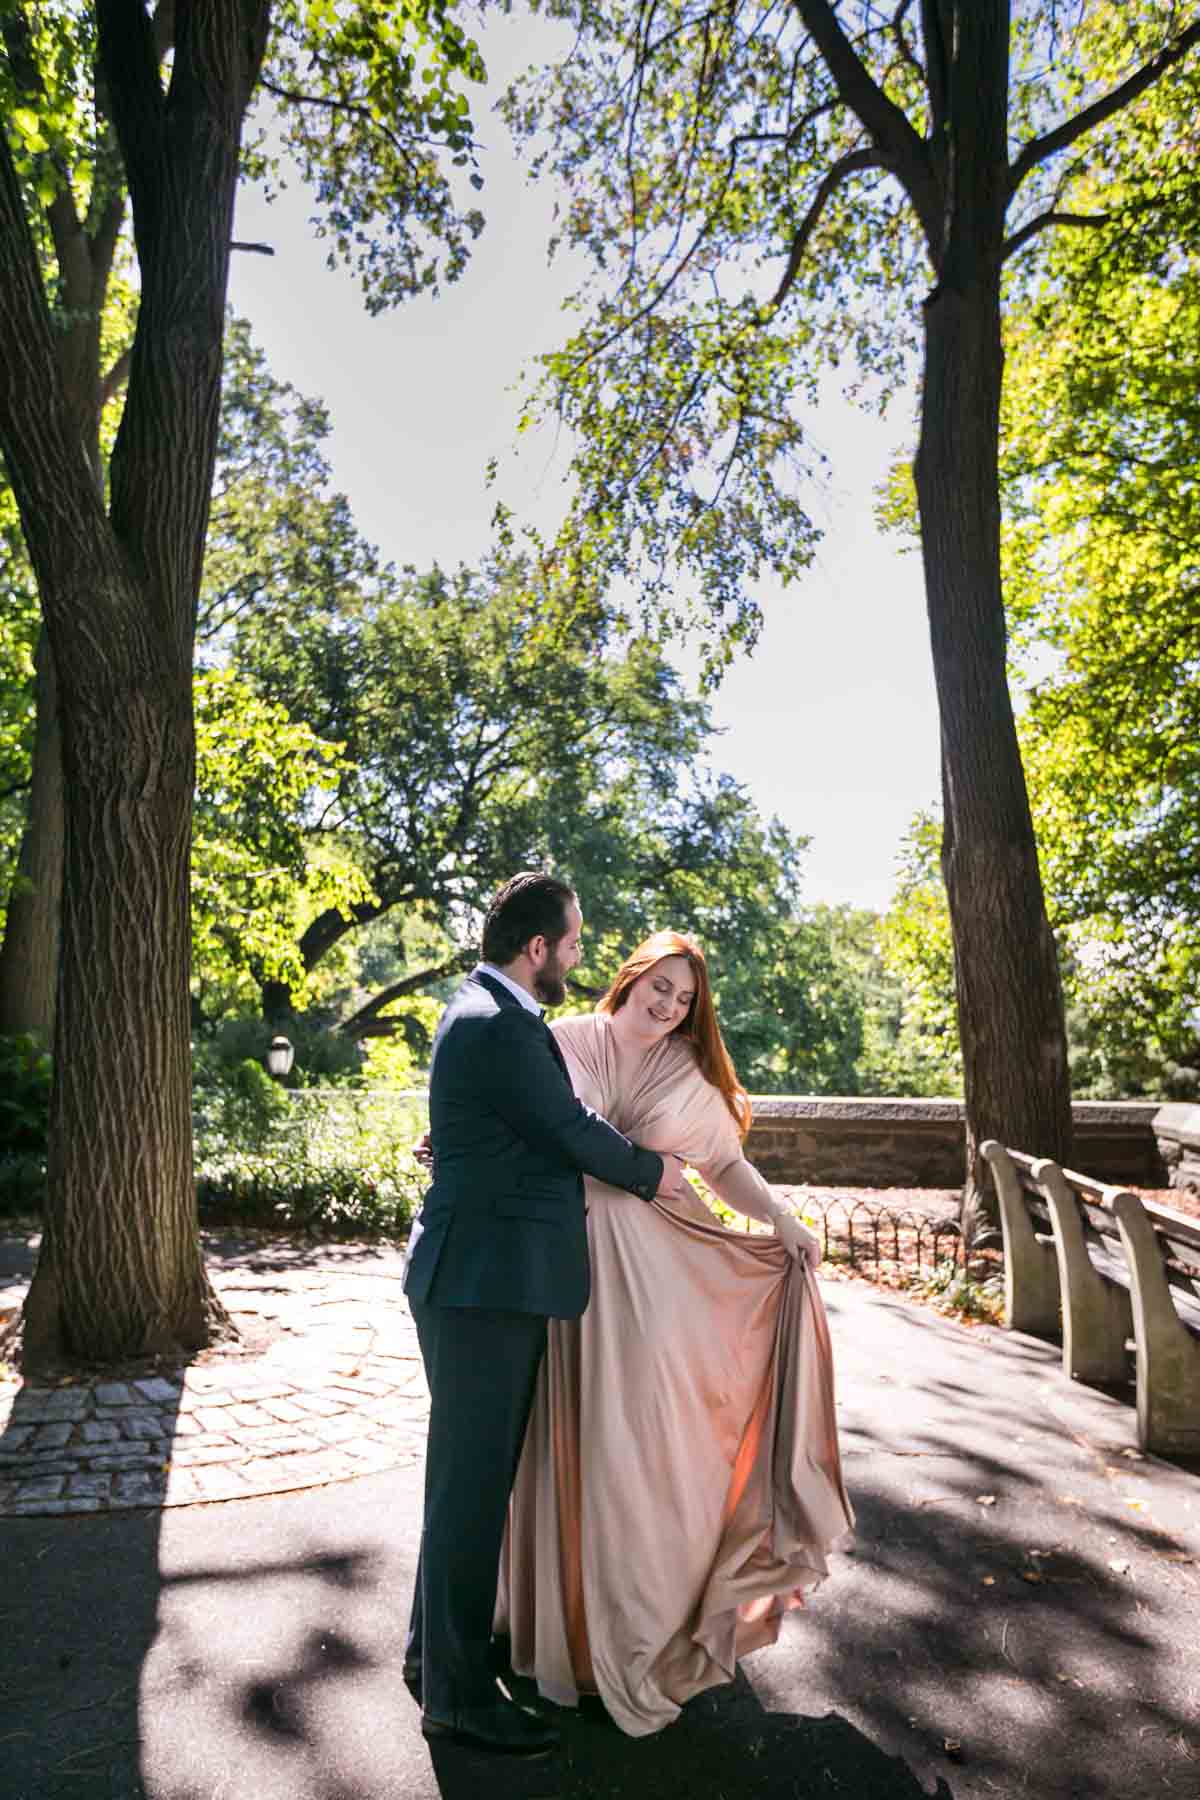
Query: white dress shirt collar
{"x": 514, "y": 987}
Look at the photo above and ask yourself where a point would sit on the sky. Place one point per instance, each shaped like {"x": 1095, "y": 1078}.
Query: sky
{"x": 831, "y": 723}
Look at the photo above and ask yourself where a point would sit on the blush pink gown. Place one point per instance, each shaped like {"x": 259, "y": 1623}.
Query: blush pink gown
{"x": 680, "y": 1485}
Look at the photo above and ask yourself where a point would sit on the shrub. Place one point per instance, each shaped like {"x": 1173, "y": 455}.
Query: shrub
{"x": 332, "y": 1161}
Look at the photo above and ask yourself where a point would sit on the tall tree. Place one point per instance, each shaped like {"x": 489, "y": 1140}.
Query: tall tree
{"x": 766, "y": 189}
{"x": 118, "y": 574}
{"x": 485, "y": 725}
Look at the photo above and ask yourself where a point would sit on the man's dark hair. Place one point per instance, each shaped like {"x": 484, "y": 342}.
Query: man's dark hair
{"x": 530, "y": 905}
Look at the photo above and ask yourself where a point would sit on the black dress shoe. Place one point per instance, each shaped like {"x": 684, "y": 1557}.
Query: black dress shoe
{"x": 502, "y": 1726}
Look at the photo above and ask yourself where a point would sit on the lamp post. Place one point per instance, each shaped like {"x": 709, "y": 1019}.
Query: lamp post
{"x": 281, "y": 1055}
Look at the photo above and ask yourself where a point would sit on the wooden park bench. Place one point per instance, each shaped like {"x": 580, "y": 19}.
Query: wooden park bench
{"x": 1112, "y": 1266}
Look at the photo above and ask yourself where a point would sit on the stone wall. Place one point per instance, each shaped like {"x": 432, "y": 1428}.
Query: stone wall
{"x": 879, "y": 1142}
{"x": 1177, "y": 1129}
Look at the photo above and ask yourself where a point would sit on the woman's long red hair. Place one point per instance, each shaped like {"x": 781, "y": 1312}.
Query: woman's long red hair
{"x": 699, "y": 1027}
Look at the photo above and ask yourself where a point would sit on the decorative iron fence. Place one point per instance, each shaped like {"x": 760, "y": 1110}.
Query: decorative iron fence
{"x": 860, "y": 1232}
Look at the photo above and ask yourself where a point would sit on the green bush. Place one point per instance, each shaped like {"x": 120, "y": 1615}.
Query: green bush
{"x": 333, "y": 1161}
{"x": 25, "y": 1074}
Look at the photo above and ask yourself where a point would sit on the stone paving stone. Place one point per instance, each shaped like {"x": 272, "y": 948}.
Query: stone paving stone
{"x": 99, "y": 1431}
{"x": 46, "y": 1487}
{"x": 89, "y": 1487}
{"x": 143, "y": 1425}
{"x": 318, "y": 1404}
{"x": 361, "y": 1387}
{"x": 334, "y": 1431}
{"x": 251, "y": 1415}
{"x": 14, "y": 1436}
{"x": 52, "y": 1437}
{"x": 192, "y": 1456}
{"x": 220, "y": 1483}
{"x": 43, "y": 1406}
{"x": 159, "y": 1390}
{"x": 282, "y": 1441}
{"x": 286, "y": 1411}
{"x": 251, "y": 1390}
{"x": 182, "y": 1488}
{"x": 212, "y": 1418}
{"x": 203, "y": 1381}
{"x": 126, "y": 1456}
{"x": 116, "y": 1393}
{"x": 140, "y": 1484}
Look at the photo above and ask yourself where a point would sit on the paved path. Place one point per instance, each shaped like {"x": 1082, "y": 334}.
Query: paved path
{"x": 1018, "y": 1622}
{"x": 338, "y": 1392}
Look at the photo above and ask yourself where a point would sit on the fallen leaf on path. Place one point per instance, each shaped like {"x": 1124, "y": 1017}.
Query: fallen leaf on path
{"x": 985, "y": 1499}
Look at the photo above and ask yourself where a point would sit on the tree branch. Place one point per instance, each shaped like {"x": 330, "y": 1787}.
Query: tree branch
{"x": 907, "y": 53}
{"x": 897, "y": 144}
{"x": 112, "y": 383}
{"x": 1043, "y": 221}
{"x": 408, "y": 984}
{"x": 850, "y": 164}
{"x": 1039, "y": 149}
{"x": 355, "y": 108}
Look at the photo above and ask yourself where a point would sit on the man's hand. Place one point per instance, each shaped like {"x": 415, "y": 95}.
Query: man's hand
{"x": 423, "y": 1151}
{"x": 674, "y": 1182}
{"x": 798, "y": 1240}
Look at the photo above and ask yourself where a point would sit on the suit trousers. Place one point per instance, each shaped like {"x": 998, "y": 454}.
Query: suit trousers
{"x": 482, "y": 1367}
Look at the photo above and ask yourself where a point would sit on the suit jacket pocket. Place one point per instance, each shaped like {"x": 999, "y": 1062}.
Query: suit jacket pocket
{"x": 543, "y": 1200}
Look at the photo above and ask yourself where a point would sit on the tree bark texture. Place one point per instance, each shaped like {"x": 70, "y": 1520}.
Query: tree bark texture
{"x": 120, "y": 1271}
{"x": 29, "y": 955}
{"x": 1010, "y": 1008}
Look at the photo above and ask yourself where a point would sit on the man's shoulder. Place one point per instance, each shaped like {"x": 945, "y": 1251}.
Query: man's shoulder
{"x": 475, "y": 1009}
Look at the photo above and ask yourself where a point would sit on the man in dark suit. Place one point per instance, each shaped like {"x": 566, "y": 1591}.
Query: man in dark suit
{"x": 500, "y": 1246}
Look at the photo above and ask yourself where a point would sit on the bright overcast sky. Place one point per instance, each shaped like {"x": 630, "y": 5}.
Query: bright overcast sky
{"x": 831, "y": 724}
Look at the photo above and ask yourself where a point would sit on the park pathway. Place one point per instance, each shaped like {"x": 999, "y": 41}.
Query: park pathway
{"x": 1017, "y": 1621}
{"x": 328, "y": 1386}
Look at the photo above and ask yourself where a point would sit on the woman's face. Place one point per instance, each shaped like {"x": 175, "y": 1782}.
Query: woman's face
{"x": 658, "y": 1001}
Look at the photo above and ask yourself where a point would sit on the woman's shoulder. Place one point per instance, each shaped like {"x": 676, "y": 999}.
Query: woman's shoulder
{"x": 579, "y": 1027}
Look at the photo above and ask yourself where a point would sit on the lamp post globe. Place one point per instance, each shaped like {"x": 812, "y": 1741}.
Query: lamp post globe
{"x": 281, "y": 1055}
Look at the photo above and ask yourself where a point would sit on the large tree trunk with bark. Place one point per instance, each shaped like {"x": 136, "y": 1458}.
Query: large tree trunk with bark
{"x": 29, "y": 956}
{"x": 120, "y": 1272}
{"x": 1010, "y": 1009}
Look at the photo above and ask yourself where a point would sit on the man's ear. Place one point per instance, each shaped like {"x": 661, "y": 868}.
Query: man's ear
{"x": 536, "y": 949}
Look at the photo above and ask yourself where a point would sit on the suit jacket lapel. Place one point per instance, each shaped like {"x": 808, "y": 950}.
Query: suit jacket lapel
{"x": 502, "y": 994}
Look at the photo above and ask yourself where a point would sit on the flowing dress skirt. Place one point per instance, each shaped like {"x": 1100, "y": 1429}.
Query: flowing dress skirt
{"x": 680, "y": 1486}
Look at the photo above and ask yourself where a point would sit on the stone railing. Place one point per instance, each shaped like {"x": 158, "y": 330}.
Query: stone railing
{"x": 873, "y": 1141}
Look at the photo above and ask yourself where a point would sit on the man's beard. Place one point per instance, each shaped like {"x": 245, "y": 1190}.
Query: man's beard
{"x": 550, "y": 982}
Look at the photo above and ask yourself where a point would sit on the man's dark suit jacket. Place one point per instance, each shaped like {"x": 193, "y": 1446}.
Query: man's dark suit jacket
{"x": 503, "y": 1224}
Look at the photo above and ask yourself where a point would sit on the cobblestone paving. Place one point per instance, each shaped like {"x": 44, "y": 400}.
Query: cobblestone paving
{"x": 339, "y": 1392}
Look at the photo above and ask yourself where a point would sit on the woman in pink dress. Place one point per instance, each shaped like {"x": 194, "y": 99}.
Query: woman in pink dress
{"x": 680, "y": 1486}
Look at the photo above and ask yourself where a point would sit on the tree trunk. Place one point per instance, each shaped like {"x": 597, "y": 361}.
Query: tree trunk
{"x": 29, "y": 956}
{"x": 120, "y": 1271}
{"x": 1010, "y": 1009}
